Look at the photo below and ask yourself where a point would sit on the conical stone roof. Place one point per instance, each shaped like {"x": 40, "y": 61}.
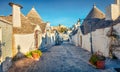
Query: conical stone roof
{"x": 92, "y": 19}
{"x": 34, "y": 17}
{"x": 95, "y": 13}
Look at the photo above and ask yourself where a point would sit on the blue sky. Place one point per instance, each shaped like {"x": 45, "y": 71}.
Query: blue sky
{"x": 56, "y": 12}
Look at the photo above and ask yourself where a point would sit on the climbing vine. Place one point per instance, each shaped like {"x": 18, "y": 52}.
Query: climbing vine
{"x": 114, "y": 41}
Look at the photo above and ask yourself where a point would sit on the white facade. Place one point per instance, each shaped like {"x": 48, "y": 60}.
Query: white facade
{"x": 26, "y": 42}
{"x": 50, "y": 38}
{"x": 5, "y": 39}
{"x": 100, "y": 40}
{"x": 86, "y": 42}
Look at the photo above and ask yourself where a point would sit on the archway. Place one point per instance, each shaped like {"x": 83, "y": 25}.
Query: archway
{"x": 37, "y": 39}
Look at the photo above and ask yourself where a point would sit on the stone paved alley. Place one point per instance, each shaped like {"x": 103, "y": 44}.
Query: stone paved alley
{"x": 60, "y": 58}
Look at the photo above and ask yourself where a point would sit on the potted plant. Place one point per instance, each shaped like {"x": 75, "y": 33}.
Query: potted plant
{"x": 97, "y": 60}
{"x": 93, "y": 59}
{"x": 35, "y": 54}
{"x": 100, "y": 62}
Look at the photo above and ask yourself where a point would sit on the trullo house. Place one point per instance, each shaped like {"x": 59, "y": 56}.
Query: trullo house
{"x": 27, "y": 30}
{"x": 101, "y": 32}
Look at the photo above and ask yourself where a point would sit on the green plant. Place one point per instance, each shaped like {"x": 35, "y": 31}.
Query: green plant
{"x": 114, "y": 38}
{"x": 93, "y": 59}
{"x": 29, "y": 54}
{"x": 96, "y": 57}
{"x": 37, "y": 51}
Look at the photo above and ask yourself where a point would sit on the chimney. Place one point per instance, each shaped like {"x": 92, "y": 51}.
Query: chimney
{"x": 113, "y": 11}
{"x": 117, "y": 2}
{"x": 16, "y": 19}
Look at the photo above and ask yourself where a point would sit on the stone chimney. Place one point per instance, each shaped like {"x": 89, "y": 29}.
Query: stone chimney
{"x": 16, "y": 19}
{"x": 117, "y": 2}
{"x": 113, "y": 11}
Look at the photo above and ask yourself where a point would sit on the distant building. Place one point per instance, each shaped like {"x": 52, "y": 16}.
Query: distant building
{"x": 75, "y": 34}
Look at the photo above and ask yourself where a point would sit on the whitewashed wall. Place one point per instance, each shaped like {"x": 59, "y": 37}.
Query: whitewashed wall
{"x": 79, "y": 37}
{"x": 50, "y": 38}
{"x": 100, "y": 42}
{"x": 75, "y": 40}
{"x": 86, "y": 42}
{"x": 26, "y": 42}
{"x": 6, "y": 37}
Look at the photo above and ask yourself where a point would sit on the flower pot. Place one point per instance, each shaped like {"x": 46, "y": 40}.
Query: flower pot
{"x": 100, "y": 64}
{"x": 35, "y": 56}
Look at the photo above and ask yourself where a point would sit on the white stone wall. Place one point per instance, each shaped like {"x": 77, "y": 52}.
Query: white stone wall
{"x": 50, "y": 38}
{"x": 100, "y": 42}
{"x": 79, "y": 37}
{"x": 26, "y": 42}
{"x": 86, "y": 42}
{"x": 75, "y": 40}
{"x": 6, "y": 37}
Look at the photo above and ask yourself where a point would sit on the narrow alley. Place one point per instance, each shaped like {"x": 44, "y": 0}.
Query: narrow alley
{"x": 60, "y": 58}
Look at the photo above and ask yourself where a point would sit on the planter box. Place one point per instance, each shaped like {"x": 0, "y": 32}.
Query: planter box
{"x": 100, "y": 64}
{"x": 35, "y": 56}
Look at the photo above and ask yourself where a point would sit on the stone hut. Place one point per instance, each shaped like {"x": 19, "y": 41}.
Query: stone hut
{"x": 27, "y": 30}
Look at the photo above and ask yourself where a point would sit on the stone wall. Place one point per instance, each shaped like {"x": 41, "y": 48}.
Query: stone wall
{"x": 75, "y": 40}
{"x": 86, "y": 42}
{"x": 6, "y": 37}
{"x": 100, "y": 40}
{"x": 26, "y": 42}
{"x": 50, "y": 38}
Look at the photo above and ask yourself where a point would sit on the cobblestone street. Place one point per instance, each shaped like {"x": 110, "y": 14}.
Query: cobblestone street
{"x": 62, "y": 58}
